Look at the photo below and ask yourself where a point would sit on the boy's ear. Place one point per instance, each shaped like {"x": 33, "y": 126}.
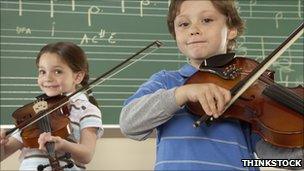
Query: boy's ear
{"x": 232, "y": 33}
{"x": 79, "y": 77}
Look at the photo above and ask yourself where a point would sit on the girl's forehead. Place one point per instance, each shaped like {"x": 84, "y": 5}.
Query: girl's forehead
{"x": 51, "y": 58}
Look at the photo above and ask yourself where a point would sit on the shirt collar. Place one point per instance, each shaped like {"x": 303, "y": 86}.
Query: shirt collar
{"x": 187, "y": 70}
{"x": 78, "y": 96}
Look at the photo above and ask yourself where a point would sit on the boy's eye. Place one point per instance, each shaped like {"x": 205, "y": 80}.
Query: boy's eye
{"x": 207, "y": 20}
{"x": 183, "y": 24}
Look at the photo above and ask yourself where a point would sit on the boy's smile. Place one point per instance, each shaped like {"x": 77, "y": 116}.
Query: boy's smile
{"x": 201, "y": 31}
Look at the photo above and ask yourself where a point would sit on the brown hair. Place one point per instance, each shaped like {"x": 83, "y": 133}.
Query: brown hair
{"x": 225, "y": 7}
{"x": 75, "y": 58}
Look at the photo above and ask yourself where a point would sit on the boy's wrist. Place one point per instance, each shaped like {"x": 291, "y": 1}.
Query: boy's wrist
{"x": 180, "y": 96}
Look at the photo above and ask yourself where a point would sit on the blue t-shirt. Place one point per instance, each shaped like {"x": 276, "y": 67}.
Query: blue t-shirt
{"x": 180, "y": 146}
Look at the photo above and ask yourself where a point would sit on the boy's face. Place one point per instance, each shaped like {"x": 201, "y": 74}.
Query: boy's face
{"x": 201, "y": 31}
{"x": 55, "y": 76}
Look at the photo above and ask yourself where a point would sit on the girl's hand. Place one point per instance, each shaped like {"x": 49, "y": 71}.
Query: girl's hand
{"x": 212, "y": 98}
{"x": 3, "y": 138}
{"x": 47, "y": 137}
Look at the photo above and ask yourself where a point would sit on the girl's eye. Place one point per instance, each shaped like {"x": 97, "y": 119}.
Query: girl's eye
{"x": 41, "y": 72}
{"x": 207, "y": 20}
{"x": 58, "y": 72}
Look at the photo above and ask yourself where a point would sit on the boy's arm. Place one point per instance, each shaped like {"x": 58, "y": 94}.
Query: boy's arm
{"x": 142, "y": 115}
{"x": 267, "y": 151}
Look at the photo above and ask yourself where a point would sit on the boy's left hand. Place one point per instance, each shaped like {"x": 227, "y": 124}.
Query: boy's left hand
{"x": 47, "y": 137}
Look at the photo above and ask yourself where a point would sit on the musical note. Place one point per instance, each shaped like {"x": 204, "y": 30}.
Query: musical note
{"x": 52, "y": 8}
{"x": 252, "y": 3}
{"x": 262, "y": 47}
{"x": 73, "y": 5}
{"x": 242, "y": 50}
{"x": 278, "y": 16}
{"x": 53, "y": 29}
{"x": 122, "y": 6}
{"x": 142, "y": 3}
{"x": 90, "y": 11}
{"x": 20, "y": 7}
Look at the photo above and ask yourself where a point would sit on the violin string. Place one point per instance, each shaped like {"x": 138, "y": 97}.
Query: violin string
{"x": 89, "y": 88}
{"x": 283, "y": 92}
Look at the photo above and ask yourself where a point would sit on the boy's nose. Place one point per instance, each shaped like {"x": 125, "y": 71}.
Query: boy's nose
{"x": 194, "y": 30}
{"x": 195, "y": 33}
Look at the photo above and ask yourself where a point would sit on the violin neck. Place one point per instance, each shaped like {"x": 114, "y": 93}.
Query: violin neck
{"x": 54, "y": 162}
{"x": 283, "y": 96}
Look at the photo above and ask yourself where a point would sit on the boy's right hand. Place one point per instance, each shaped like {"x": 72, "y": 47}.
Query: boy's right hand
{"x": 3, "y": 138}
{"x": 212, "y": 98}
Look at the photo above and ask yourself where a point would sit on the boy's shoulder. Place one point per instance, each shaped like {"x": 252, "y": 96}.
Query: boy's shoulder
{"x": 166, "y": 73}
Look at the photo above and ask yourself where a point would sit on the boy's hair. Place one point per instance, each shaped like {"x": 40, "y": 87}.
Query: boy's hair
{"x": 225, "y": 7}
{"x": 74, "y": 57}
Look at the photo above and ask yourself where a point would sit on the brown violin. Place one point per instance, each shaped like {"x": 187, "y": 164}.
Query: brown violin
{"x": 56, "y": 122}
{"x": 273, "y": 111}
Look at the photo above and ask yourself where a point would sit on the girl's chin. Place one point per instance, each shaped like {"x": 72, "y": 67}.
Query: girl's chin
{"x": 51, "y": 94}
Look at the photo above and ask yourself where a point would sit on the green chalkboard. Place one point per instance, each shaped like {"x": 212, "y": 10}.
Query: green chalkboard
{"x": 111, "y": 30}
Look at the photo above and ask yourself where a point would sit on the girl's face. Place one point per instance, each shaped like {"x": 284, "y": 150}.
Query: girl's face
{"x": 201, "y": 31}
{"x": 55, "y": 76}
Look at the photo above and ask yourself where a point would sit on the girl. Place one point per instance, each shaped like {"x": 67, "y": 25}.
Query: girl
{"x": 62, "y": 67}
{"x": 203, "y": 29}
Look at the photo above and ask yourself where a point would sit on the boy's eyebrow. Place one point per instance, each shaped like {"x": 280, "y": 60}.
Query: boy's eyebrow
{"x": 202, "y": 12}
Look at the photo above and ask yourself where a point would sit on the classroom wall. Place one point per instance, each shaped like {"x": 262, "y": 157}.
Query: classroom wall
{"x": 111, "y": 154}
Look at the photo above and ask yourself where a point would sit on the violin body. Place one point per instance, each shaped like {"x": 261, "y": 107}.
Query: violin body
{"x": 263, "y": 105}
{"x": 59, "y": 120}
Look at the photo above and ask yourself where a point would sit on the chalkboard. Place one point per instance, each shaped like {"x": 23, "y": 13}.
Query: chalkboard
{"x": 111, "y": 30}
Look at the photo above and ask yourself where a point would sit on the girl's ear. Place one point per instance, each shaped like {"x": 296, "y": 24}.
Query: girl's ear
{"x": 79, "y": 77}
{"x": 232, "y": 33}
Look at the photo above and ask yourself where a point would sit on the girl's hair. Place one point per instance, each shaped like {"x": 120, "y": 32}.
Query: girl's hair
{"x": 75, "y": 58}
{"x": 225, "y": 7}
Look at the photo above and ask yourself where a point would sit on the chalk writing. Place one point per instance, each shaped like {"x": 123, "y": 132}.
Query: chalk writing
{"x": 52, "y": 8}
{"x": 252, "y": 3}
{"x": 23, "y": 30}
{"x": 73, "y": 5}
{"x": 142, "y": 4}
{"x": 91, "y": 11}
{"x": 278, "y": 16}
{"x": 98, "y": 38}
{"x": 123, "y": 6}
{"x": 20, "y": 7}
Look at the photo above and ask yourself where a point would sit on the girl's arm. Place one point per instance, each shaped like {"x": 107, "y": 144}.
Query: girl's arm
{"x": 8, "y": 146}
{"x": 82, "y": 152}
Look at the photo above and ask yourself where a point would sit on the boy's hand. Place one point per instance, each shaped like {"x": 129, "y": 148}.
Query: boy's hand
{"x": 212, "y": 98}
{"x": 3, "y": 138}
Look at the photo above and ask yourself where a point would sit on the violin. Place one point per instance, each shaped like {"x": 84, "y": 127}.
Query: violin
{"x": 57, "y": 123}
{"x": 275, "y": 112}
{"x": 50, "y": 114}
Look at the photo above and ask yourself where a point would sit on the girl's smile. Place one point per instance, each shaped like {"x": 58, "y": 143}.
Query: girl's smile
{"x": 55, "y": 76}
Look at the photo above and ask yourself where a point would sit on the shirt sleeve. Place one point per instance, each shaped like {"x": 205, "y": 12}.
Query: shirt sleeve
{"x": 92, "y": 118}
{"x": 151, "y": 106}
